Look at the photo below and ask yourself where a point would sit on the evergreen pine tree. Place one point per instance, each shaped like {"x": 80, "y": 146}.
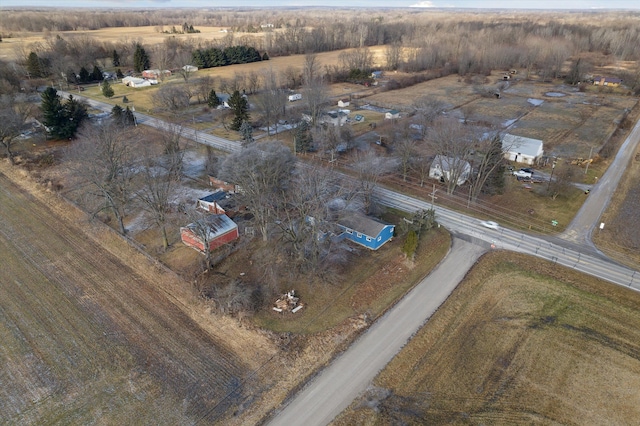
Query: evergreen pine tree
{"x": 128, "y": 118}
{"x": 115, "y": 59}
{"x": 247, "y": 133}
{"x": 213, "y": 100}
{"x": 74, "y": 113}
{"x": 107, "y": 90}
{"x": 85, "y": 77}
{"x": 34, "y": 66}
{"x": 52, "y": 110}
{"x": 117, "y": 113}
{"x": 303, "y": 139}
{"x": 61, "y": 120}
{"x": 240, "y": 107}
{"x": 119, "y": 73}
{"x": 265, "y": 57}
{"x": 141, "y": 60}
{"x": 96, "y": 74}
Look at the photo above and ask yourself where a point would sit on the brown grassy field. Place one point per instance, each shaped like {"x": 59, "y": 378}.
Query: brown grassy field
{"x": 11, "y": 47}
{"x": 520, "y": 341}
{"x": 96, "y": 333}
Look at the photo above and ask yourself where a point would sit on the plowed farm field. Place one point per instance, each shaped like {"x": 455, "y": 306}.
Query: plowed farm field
{"x": 86, "y": 339}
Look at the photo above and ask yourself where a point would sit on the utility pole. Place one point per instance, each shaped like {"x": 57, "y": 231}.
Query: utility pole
{"x": 588, "y": 161}
{"x": 433, "y": 195}
{"x": 553, "y": 166}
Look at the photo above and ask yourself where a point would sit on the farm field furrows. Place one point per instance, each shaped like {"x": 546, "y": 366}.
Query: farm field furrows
{"x": 86, "y": 338}
{"x": 520, "y": 341}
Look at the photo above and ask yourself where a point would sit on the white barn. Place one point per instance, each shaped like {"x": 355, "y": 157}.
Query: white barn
{"x": 136, "y": 82}
{"x": 521, "y": 150}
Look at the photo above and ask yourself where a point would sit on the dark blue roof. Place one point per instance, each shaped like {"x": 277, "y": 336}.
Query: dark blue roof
{"x": 216, "y": 196}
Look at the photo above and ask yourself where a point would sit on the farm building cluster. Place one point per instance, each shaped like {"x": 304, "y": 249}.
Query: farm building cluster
{"x": 217, "y": 226}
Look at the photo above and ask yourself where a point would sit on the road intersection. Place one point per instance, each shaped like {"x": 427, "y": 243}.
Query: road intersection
{"x": 336, "y": 386}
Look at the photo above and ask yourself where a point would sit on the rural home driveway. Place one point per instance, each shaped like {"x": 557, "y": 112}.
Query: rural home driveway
{"x": 329, "y": 393}
{"x": 587, "y": 218}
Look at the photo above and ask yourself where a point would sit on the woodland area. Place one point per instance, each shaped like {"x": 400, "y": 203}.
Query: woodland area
{"x": 451, "y": 42}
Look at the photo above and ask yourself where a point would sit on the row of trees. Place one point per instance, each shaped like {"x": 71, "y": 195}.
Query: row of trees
{"x": 214, "y": 57}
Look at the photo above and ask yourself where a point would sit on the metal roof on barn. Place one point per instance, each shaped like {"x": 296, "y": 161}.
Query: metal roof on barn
{"x": 216, "y": 196}
{"x": 219, "y": 224}
{"x": 522, "y": 145}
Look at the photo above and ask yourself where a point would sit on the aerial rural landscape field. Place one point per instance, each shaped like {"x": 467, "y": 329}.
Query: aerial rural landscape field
{"x": 303, "y": 147}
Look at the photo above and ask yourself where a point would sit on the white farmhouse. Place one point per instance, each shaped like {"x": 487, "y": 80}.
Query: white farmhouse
{"x": 449, "y": 168}
{"x": 520, "y": 149}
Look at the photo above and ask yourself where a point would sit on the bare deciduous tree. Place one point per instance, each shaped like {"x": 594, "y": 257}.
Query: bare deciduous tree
{"x": 159, "y": 175}
{"x": 311, "y": 69}
{"x": 491, "y": 164}
{"x": 369, "y": 168}
{"x": 104, "y": 157}
{"x": 453, "y": 143}
{"x": 172, "y": 97}
{"x": 393, "y": 55}
{"x": 263, "y": 175}
{"x": 271, "y": 100}
{"x": 315, "y": 95}
{"x": 404, "y": 151}
{"x": 360, "y": 58}
{"x": 307, "y": 219}
{"x": 14, "y": 112}
{"x": 427, "y": 110}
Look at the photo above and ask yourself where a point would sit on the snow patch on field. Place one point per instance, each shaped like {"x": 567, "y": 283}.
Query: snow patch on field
{"x": 509, "y": 123}
{"x": 193, "y": 164}
{"x": 536, "y": 102}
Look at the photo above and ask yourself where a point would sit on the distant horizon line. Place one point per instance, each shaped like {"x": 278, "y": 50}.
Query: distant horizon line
{"x": 590, "y": 9}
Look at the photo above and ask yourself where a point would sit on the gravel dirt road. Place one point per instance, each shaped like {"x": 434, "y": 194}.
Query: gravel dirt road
{"x": 350, "y": 374}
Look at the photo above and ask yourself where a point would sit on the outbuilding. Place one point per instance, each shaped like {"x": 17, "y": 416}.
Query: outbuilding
{"x": 136, "y": 82}
{"x": 211, "y": 202}
{"x": 392, "y": 115}
{"x": 521, "y": 150}
{"x": 216, "y": 230}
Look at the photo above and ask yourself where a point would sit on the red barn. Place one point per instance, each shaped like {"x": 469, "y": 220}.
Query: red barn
{"x": 217, "y": 230}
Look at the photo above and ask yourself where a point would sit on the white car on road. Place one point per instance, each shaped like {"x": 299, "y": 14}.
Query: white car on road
{"x": 490, "y": 224}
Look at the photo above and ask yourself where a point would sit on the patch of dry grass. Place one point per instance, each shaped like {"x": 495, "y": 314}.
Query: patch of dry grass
{"x": 519, "y": 341}
{"x": 375, "y": 281}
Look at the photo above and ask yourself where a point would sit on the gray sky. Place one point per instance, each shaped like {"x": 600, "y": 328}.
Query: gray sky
{"x": 505, "y": 4}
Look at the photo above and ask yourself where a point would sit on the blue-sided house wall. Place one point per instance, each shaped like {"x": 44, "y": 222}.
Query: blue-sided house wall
{"x": 365, "y": 230}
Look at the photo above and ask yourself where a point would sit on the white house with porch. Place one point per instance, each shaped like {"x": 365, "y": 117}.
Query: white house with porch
{"x": 448, "y": 168}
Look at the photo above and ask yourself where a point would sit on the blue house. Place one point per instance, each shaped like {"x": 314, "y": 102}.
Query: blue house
{"x": 365, "y": 230}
